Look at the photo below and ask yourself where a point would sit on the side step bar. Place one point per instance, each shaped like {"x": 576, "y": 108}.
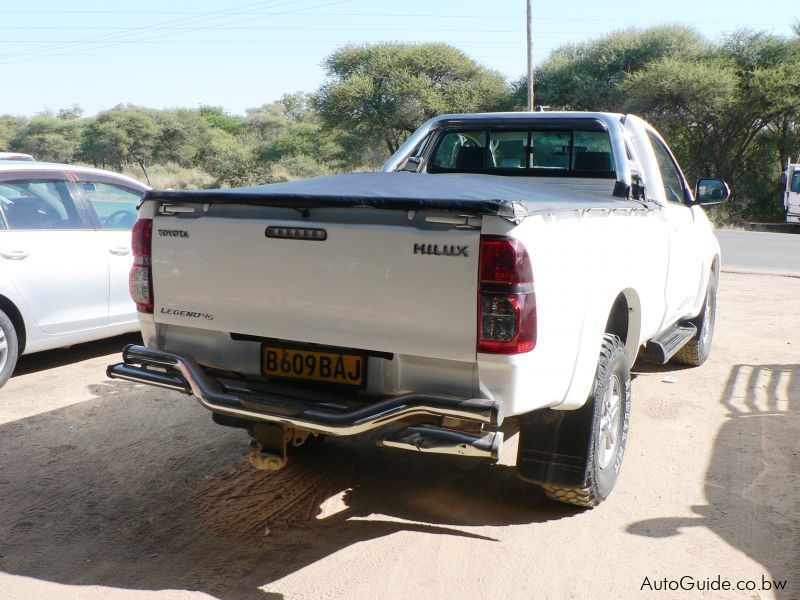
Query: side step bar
{"x": 181, "y": 373}
{"x": 659, "y": 350}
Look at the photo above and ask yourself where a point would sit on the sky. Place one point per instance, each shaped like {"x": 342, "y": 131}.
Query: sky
{"x": 240, "y": 54}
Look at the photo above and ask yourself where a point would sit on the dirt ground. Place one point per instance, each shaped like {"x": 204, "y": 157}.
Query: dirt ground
{"x": 112, "y": 491}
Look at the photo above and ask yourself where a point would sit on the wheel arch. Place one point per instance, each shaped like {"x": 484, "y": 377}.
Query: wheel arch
{"x": 625, "y": 321}
{"x": 619, "y": 314}
{"x": 8, "y": 307}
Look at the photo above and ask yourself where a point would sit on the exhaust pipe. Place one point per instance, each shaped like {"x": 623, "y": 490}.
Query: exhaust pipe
{"x": 424, "y": 438}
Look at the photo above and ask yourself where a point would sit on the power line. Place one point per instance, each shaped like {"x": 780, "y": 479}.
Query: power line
{"x": 306, "y": 28}
{"x": 112, "y": 38}
{"x": 282, "y": 42}
{"x": 220, "y": 54}
{"x": 127, "y": 31}
{"x": 234, "y": 12}
{"x": 325, "y": 28}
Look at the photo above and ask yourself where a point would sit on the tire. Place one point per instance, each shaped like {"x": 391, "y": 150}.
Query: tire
{"x": 9, "y": 348}
{"x": 697, "y": 350}
{"x": 611, "y": 407}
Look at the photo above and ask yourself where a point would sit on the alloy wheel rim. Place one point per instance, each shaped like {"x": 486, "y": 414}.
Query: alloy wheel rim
{"x": 3, "y": 349}
{"x": 610, "y": 415}
{"x": 708, "y": 314}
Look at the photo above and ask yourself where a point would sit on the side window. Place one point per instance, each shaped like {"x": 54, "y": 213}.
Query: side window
{"x": 795, "y": 182}
{"x": 670, "y": 176}
{"x": 114, "y": 205}
{"x": 465, "y": 150}
{"x": 38, "y": 204}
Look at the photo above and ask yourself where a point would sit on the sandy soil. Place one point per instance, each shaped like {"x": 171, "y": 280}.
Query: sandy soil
{"x": 112, "y": 491}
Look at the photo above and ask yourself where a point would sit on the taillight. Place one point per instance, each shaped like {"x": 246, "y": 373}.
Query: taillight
{"x": 506, "y": 300}
{"x": 141, "y": 277}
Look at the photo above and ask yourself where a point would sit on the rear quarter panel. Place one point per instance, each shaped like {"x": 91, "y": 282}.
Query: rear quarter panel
{"x": 581, "y": 262}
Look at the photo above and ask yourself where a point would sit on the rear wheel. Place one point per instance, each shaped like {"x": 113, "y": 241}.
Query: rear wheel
{"x": 697, "y": 350}
{"x": 610, "y": 402}
{"x": 9, "y": 347}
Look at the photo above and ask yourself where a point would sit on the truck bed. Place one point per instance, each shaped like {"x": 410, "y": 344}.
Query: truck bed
{"x": 512, "y": 198}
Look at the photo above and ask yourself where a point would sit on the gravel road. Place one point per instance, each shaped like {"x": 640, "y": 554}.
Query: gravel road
{"x": 112, "y": 491}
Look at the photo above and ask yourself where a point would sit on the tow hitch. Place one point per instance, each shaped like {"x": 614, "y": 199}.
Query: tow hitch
{"x": 268, "y": 446}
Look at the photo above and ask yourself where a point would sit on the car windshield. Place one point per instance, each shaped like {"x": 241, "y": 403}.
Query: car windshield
{"x": 526, "y": 151}
{"x": 795, "y": 182}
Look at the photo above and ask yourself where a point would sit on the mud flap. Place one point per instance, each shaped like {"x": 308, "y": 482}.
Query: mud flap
{"x": 554, "y": 446}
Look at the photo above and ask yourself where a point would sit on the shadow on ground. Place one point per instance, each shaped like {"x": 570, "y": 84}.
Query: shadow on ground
{"x": 753, "y": 478}
{"x": 138, "y": 489}
{"x": 40, "y": 361}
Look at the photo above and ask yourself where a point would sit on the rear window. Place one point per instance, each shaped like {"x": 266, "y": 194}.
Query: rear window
{"x": 529, "y": 151}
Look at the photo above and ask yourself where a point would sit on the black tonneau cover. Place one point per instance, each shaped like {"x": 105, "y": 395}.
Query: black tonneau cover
{"x": 512, "y": 198}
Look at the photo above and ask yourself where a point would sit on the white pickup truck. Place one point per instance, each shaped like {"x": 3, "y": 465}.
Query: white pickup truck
{"x": 502, "y": 265}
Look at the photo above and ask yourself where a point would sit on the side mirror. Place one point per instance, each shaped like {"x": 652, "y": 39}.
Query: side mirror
{"x": 711, "y": 191}
{"x": 784, "y": 179}
{"x": 411, "y": 164}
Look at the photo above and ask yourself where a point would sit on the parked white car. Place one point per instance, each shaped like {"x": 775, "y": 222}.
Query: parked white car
{"x": 15, "y": 156}
{"x": 65, "y": 255}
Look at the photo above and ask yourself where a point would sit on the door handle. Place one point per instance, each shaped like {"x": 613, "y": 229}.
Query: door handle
{"x": 14, "y": 254}
{"x": 120, "y": 250}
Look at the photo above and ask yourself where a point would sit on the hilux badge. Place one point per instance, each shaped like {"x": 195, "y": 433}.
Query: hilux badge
{"x": 443, "y": 250}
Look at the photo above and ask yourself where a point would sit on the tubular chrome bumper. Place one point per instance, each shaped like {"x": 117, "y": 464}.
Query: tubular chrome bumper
{"x": 181, "y": 373}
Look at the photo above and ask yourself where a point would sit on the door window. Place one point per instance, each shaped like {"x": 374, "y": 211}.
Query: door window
{"x": 115, "y": 206}
{"x": 795, "y": 182}
{"x": 670, "y": 175}
{"x": 38, "y": 204}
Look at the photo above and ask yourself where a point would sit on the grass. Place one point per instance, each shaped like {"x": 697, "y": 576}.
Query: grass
{"x": 172, "y": 176}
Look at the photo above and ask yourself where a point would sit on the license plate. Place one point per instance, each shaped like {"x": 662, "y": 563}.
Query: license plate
{"x": 312, "y": 365}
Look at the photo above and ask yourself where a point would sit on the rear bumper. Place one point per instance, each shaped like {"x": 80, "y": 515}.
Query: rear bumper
{"x": 249, "y": 401}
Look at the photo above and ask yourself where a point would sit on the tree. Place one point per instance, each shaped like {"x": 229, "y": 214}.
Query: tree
{"x": 48, "y": 138}
{"x": 9, "y": 129}
{"x": 181, "y": 133}
{"x": 728, "y": 109}
{"x": 587, "y": 76}
{"x": 383, "y": 92}
{"x": 732, "y": 114}
{"x": 73, "y": 112}
{"x": 122, "y": 135}
{"x": 217, "y": 117}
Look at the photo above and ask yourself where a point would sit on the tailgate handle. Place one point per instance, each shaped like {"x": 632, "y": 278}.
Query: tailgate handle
{"x": 461, "y": 221}
{"x": 171, "y": 209}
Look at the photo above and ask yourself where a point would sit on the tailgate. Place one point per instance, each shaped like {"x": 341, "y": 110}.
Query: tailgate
{"x": 388, "y": 281}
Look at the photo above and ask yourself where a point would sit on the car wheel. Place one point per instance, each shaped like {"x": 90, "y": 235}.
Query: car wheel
{"x": 9, "y": 347}
{"x": 611, "y": 406}
{"x": 697, "y": 350}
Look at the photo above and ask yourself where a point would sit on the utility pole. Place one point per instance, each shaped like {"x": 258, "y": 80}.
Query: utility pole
{"x": 530, "y": 60}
